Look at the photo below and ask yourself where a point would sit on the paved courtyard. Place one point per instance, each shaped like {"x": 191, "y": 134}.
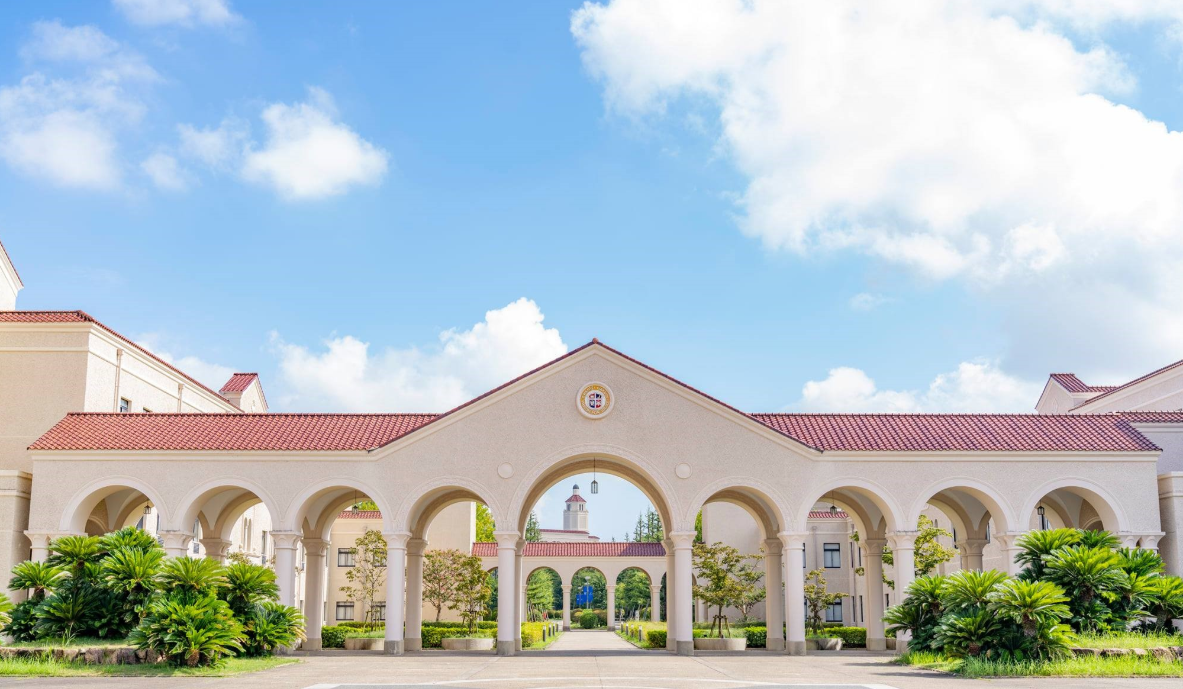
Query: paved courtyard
{"x": 586, "y": 659}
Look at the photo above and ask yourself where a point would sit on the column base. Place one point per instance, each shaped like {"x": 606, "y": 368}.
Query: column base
{"x": 775, "y": 644}
{"x": 795, "y": 648}
{"x": 685, "y": 648}
{"x": 901, "y": 646}
{"x": 517, "y": 644}
{"x": 412, "y": 644}
{"x": 874, "y": 644}
{"x": 311, "y": 645}
{"x": 392, "y": 647}
{"x": 611, "y": 627}
{"x": 506, "y": 648}
{"x": 566, "y": 627}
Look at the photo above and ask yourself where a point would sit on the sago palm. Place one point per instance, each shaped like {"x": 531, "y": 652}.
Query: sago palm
{"x": 970, "y": 589}
{"x": 925, "y": 592}
{"x": 1035, "y": 545}
{"x": 1086, "y": 572}
{"x": 1030, "y": 602}
{"x": 66, "y": 611}
{"x": 1141, "y": 562}
{"x": 129, "y": 537}
{"x": 248, "y": 585}
{"x": 73, "y": 553}
{"x": 1135, "y": 594}
{"x": 1098, "y": 539}
{"x": 1168, "y": 601}
{"x": 36, "y": 577}
{"x": 903, "y": 618}
{"x": 969, "y": 634}
{"x": 192, "y": 576}
{"x": 191, "y": 632}
{"x": 270, "y": 626}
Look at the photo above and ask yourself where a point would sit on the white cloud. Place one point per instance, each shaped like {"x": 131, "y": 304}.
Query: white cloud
{"x": 867, "y": 301}
{"x": 345, "y": 375}
{"x": 165, "y": 172}
{"x": 957, "y": 140}
{"x": 976, "y": 386}
{"x": 210, "y": 374}
{"x": 65, "y": 128}
{"x": 309, "y": 154}
{"x": 217, "y": 148}
{"x": 179, "y": 12}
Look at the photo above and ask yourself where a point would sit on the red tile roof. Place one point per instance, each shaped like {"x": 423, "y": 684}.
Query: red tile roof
{"x": 1071, "y": 383}
{"x": 574, "y": 498}
{"x": 1152, "y": 416}
{"x": 579, "y": 549}
{"x": 229, "y": 432}
{"x": 239, "y": 382}
{"x": 360, "y": 514}
{"x": 1133, "y": 382}
{"x": 961, "y": 432}
{"x": 84, "y": 317}
{"x": 826, "y": 514}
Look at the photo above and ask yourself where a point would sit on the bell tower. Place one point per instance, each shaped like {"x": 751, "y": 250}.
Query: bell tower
{"x": 575, "y": 513}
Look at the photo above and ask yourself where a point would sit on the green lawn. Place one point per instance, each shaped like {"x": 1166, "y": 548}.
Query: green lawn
{"x": 27, "y": 667}
{"x": 1124, "y": 666}
{"x": 81, "y": 642}
{"x": 1127, "y": 640}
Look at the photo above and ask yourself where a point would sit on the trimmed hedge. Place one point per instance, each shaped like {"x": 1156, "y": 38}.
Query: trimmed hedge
{"x": 433, "y": 637}
{"x": 852, "y": 637}
{"x": 333, "y": 636}
{"x": 355, "y": 624}
{"x": 590, "y": 620}
{"x": 483, "y": 624}
{"x": 757, "y": 636}
{"x": 655, "y": 638}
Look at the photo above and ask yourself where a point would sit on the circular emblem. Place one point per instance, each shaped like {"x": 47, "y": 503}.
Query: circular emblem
{"x": 595, "y": 400}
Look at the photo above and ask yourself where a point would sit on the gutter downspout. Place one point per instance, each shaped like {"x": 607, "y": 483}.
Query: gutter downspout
{"x": 118, "y": 375}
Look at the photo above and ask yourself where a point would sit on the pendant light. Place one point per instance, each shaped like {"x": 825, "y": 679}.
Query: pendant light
{"x": 595, "y": 486}
{"x": 833, "y": 507}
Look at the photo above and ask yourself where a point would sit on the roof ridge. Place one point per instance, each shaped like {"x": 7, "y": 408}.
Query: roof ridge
{"x": 269, "y": 415}
{"x": 1135, "y": 381}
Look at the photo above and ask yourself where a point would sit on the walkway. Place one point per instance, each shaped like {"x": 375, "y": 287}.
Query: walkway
{"x": 591, "y": 642}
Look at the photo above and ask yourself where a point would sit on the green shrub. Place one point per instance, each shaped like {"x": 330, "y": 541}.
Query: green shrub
{"x": 24, "y": 620}
{"x": 194, "y": 633}
{"x": 655, "y": 638}
{"x": 358, "y": 624}
{"x": 852, "y": 637}
{"x": 757, "y": 636}
{"x": 530, "y": 635}
{"x": 483, "y": 624}
{"x": 334, "y": 637}
{"x": 433, "y": 636}
{"x": 589, "y": 620}
{"x": 272, "y": 625}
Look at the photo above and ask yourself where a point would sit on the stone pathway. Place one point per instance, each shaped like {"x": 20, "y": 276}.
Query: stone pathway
{"x": 592, "y": 642}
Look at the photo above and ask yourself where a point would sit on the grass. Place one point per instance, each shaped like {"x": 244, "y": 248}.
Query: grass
{"x": 646, "y": 626}
{"x": 30, "y": 667}
{"x": 1124, "y": 666}
{"x": 81, "y": 642}
{"x": 543, "y": 644}
{"x": 1128, "y": 640}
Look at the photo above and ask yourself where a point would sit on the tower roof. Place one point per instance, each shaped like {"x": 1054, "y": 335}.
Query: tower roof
{"x": 576, "y": 498}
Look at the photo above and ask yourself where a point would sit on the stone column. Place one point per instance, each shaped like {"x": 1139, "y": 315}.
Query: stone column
{"x": 314, "y": 591}
{"x": 610, "y": 587}
{"x": 794, "y": 558}
{"x": 520, "y": 585}
{"x": 873, "y": 570}
{"x": 903, "y": 551}
{"x": 655, "y": 602}
{"x": 566, "y": 607}
{"x": 176, "y": 543}
{"x": 396, "y": 586}
{"x": 413, "y": 637}
{"x": 774, "y": 607}
{"x": 971, "y": 553}
{"x": 1150, "y": 541}
{"x": 216, "y": 548}
{"x": 684, "y": 636}
{"x": 40, "y": 541}
{"x": 671, "y": 611}
{"x": 507, "y": 603}
{"x": 1170, "y": 511}
{"x": 1006, "y": 543}
{"x": 285, "y": 564}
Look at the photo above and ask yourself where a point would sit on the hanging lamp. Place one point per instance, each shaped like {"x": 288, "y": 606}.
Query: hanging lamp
{"x": 833, "y": 507}
{"x": 595, "y": 486}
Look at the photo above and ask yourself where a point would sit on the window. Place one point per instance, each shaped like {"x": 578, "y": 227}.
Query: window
{"x": 887, "y": 600}
{"x": 861, "y": 615}
{"x": 124, "y": 405}
{"x": 344, "y": 611}
{"x": 834, "y": 612}
{"x": 379, "y": 611}
{"x": 833, "y": 555}
{"x": 345, "y": 558}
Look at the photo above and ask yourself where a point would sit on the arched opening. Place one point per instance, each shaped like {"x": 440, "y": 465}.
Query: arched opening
{"x": 1071, "y": 505}
{"x": 589, "y": 594}
{"x": 544, "y": 594}
{"x": 227, "y": 520}
{"x": 634, "y": 596}
{"x": 337, "y": 558}
{"x": 958, "y": 521}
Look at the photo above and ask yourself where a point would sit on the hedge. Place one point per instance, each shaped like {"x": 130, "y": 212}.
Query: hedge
{"x": 433, "y": 637}
{"x": 757, "y": 636}
{"x": 589, "y": 620}
{"x": 852, "y": 637}
{"x": 333, "y": 636}
{"x": 655, "y": 638}
{"x": 458, "y": 625}
{"x": 355, "y": 624}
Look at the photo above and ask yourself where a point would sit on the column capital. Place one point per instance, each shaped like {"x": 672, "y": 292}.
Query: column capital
{"x": 1007, "y": 539}
{"x": 41, "y": 539}
{"x": 903, "y": 540}
{"x": 654, "y": 588}
{"x": 286, "y": 540}
{"x": 416, "y": 547}
{"x": 683, "y": 539}
{"x": 566, "y": 587}
{"x": 175, "y": 539}
{"x": 773, "y": 546}
{"x": 215, "y": 547}
{"x": 396, "y": 540}
{"x": 315, "y": 546}
{"x": 874, "y": 546}
{"x": 1149, "y": 541}
{"x": 972, "y": 546}
{"x": 520, "y": 546}
{"x": 507, "y": 540}
{"x": 793, "y": 540}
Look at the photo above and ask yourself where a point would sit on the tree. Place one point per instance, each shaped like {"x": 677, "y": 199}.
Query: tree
{"x": 751, "y": 590}
{"x": 368, "y": 574}
{"x": 818, "y": 599}
{"x": 472, "y": 591}
{"x": 632, "y": 591}
{"x": 928, "y": 550}
{"x": 539, "y": 595}
{"x": 724, "y": 572}
{"x": 484, "y": 524}
{"x": 533, "y": 533}
{"x": 648, "y": 528}
{"x": 440, "y": 569}
{"x": 599, "y": 587}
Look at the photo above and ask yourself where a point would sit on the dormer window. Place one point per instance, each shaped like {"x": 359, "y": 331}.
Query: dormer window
{"x": 124, "y": 405}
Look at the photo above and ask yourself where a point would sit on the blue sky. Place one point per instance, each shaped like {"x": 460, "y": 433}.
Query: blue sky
{"x": 395, "y": 206}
